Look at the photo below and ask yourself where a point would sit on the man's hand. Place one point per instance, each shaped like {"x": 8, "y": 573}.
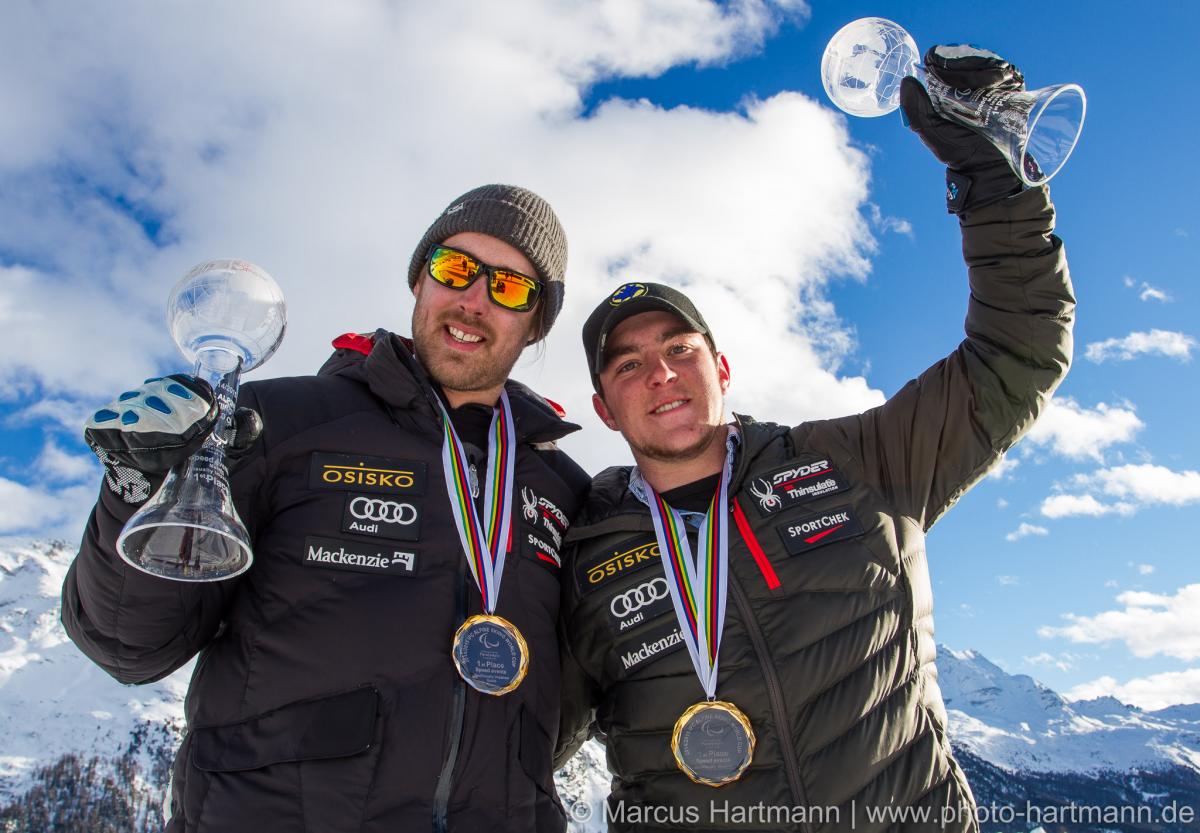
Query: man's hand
{"x": 146, "y": 431}
{"x": 977, "y": 173}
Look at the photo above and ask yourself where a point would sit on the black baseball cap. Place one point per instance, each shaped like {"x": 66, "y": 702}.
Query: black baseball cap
{"x": 631, "y": 299}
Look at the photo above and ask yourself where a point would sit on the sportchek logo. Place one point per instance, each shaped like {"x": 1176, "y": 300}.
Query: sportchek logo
{"x": 797, "y": 483}
{"x": 358, "y": 557}
{"x": 801, "y": 535}
{"x": 543, "y": 551}
{"x": 822, "y": 526}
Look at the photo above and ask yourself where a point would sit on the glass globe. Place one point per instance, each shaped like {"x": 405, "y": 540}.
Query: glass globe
{"x": 228, "y": 307}
{"x": 864, "y": 63}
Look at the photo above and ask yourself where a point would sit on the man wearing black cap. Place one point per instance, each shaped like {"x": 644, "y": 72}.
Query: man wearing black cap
{"x": 747, "y": 618}
{"x": 389, "y": 661}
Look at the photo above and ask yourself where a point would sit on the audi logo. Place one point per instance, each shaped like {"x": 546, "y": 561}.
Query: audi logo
{"x": 634, "y": 600}
{"x": 387, "y": 511}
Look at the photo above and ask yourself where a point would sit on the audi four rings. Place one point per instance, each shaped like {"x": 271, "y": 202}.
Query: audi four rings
{"x": 634, "y": 600}
{"x": 385, "y": 511}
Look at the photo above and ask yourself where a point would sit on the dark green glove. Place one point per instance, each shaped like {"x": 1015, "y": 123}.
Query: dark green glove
{"x": 976, "y": 172}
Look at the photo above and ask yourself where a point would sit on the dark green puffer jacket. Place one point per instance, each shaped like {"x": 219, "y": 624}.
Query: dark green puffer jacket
{"x": 828, "y": 645}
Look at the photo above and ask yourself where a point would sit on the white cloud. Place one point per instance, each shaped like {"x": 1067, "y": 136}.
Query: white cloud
{"x": 887, "y": 223}
{"x": 326, "y": 170}
{"x": 1001, "y": 503}
{"x": 1063, "y": 662}
{"x": 61, "y": 513}
{"x": 1004, "y": 468}
{"x": 1145, "y": 484}
{"x": 1062, "y": 506}
{"x": 56, "y": 412}
{"x": 1079, "y": 433}
{"x": 61, "y": 466}
{"x": 1148, "y": 623}
{"x": 1150, "y": 693}
{"x": 1008, "y": 581}
{"x": 1025, "y": 530}
{"x": 1145, "y": 569}
{"x": 1150, "y": 293}
{"x": 1130, "y": 487}
{"x": 1163, "y": 342}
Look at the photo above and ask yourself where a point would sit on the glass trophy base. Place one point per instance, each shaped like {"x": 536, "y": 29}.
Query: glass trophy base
{"x": 184, "y": 552}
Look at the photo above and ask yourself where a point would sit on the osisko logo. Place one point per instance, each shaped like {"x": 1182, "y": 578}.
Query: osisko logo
{"x": 607, "y": 567}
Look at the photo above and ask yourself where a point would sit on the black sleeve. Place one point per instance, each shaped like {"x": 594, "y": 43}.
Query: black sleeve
{"x": 943, "y": 431}
{"x": 580, "y": 693}
{"x": 137, "y": 627}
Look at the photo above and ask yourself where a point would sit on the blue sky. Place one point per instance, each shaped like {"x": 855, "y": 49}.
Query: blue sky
{"x": 679, "y": 143}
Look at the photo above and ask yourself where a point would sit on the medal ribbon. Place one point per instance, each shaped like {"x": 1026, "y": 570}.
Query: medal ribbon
{"x": 698, "y": 586}
{"x": 484, "y": 546}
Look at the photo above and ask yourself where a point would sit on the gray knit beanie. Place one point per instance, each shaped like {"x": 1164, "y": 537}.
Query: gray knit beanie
{"x": 518, "y": 217}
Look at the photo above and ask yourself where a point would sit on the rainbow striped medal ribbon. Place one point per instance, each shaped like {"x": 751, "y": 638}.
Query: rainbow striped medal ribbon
{"x": 488, "y": 650}
{"x": 713, "y": 742}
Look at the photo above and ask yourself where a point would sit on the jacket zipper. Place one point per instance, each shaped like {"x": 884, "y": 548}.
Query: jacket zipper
{"x": 441, "y": 796}
{"x": 774, "y": 692}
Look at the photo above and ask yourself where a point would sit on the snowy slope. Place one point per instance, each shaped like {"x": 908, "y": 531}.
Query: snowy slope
{"x": 1018, "y": 724}
{"x": 53, "y": 700}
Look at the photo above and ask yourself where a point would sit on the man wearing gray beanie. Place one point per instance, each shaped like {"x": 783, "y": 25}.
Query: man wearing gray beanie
{"x": 389, "y": 662}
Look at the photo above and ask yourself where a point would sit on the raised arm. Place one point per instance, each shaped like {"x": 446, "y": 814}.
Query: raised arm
{"x": 944, "y": 430}
{"x": 138, "y": 627}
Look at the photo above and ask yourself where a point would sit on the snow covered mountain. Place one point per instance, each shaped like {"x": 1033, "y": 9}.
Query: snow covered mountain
{"x": 1018, "y": 724}
{"x": 80, "y": 752}
{"x": 60, "y": 714}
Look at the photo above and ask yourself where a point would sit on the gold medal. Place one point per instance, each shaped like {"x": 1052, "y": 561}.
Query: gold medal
{"x": 490, "y": 654}
{"x": 713, "y": 743}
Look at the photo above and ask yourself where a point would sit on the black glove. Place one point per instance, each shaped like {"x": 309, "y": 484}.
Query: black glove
{"x": 144, "y": 432}
{"x": 976, "y": 172}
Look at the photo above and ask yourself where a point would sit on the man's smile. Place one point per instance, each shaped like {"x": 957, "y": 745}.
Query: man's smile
{"x": 463, "y": 335}
{"x": 669, "y": 406}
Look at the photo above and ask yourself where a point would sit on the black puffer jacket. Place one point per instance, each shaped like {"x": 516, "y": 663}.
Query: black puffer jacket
{"x": 828, "y": 643}
{"x": 325, "y": 698}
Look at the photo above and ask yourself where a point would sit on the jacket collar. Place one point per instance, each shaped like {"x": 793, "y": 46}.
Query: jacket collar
{"x": 395, "y": 375}
{"x": 611, "y": 506}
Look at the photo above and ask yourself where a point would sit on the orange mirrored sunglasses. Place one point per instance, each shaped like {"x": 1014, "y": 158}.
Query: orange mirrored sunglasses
{"x": 458, "y": 270}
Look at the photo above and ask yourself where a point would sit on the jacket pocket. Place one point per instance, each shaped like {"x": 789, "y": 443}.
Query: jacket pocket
{"x": 305, "y": 766}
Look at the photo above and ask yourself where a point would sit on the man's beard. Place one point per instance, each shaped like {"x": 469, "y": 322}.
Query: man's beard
{"x": 481, "y": 370}
{"x": 678, "y": 455}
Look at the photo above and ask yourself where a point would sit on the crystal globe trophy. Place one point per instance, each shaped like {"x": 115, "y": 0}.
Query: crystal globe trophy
{"x": 1035, "y": 130}
{"x": 227, "y": 317}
